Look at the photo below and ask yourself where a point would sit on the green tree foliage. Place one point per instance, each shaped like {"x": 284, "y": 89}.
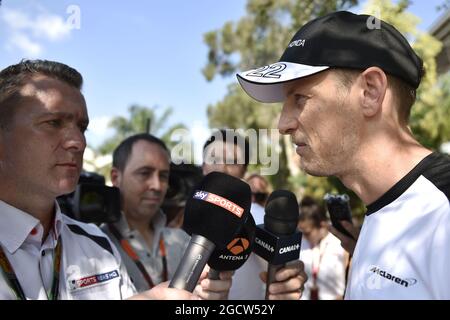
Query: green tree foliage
{"x": 140, "y": 118}
{"x": 260, "y": 37}
{"x": 443, "y": 126}
{"x": 429, "y": 116}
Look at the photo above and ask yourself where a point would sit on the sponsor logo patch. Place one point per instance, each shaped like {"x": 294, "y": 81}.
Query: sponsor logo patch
{"x": 93, "y": 280}
{"x": 400, "y": 281}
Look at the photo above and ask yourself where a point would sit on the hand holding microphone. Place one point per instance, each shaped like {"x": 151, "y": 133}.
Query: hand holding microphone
{"x": 223, "y": 262}
{"x": 213, "y": 216}
{"x": 278, "y": 242}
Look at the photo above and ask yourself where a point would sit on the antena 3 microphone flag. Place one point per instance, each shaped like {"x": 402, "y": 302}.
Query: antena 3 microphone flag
{"x": 213, "y": 216}
{"x": 236, "y": 252}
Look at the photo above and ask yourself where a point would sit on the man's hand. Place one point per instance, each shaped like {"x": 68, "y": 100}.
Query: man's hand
{"x": 346, "y": 242}
{"x": 162, "y": 292}
{"x": 214, "y": 289}
{"x": 290, "y": 282}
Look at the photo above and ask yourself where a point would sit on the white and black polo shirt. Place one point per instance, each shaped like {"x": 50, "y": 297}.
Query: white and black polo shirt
{"x": 403, "y": 251}
{"x": 91, "y": 267}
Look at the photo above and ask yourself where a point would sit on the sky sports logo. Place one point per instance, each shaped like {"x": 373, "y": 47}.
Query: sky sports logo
{"x": 93, "y": 280}
{"x": 219, "y": 201}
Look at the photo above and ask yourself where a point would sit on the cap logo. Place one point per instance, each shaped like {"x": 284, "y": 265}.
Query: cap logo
{"x": 219, "y": 201}
{"x": 270, "y": 71}
{"x": 297, "y": 43}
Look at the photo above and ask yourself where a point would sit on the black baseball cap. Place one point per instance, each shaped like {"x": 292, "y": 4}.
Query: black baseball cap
{"x": 340, "y": 39}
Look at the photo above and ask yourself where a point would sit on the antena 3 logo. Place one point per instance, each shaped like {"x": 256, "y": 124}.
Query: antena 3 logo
{"x": 382, "y": 273}
{"x": 219, "y": 201}
{"x": 237, "y": 248}
{"x": 238, "y": 245}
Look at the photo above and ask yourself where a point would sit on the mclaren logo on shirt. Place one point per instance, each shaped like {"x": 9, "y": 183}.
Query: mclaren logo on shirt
{"x": 382, "y": 273}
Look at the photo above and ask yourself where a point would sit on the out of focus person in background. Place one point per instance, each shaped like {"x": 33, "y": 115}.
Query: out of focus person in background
{"x": 321, "y": 252}
{"x": 182, "y": 181}
{"x": 150, "y": 250}
{"x": 260, "y": 193}
{"x": 228, "y": 152}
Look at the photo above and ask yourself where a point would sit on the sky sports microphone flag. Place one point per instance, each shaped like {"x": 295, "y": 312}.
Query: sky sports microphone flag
{"x": 236, "y": 253}
{"x": 213, "y": 216}
{"x": 277, "y": 240}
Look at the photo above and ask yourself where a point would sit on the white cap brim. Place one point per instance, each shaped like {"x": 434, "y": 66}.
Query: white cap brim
{"x": 266, "y": 84}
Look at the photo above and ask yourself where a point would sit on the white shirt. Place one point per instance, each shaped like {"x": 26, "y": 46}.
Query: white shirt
{"x": 403, "y": 250}
{"x": 246, "y": 284}
{"x": 175, "y": 243}
{"x": 91, "y": 267}
{"x": 330, "y": 259}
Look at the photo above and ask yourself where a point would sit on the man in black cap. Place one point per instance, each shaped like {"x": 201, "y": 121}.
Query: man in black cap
{"x": 347, "y": 90}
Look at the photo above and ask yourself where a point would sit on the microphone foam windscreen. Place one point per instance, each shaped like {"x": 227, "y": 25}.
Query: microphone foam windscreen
{"x": 218, "y": 208}
{"x": 281, "y": 212}
{"x": 237, "y": 251}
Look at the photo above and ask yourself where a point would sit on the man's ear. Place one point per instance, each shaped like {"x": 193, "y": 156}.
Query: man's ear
{"x": 374, "y": 86}
{"x": 116, "y": 176}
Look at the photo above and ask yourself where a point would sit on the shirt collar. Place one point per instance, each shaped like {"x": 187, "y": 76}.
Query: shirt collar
{"x": 57, "y": 225}
{"x": 16, "y": 226}
{"x": 158, "y": 222}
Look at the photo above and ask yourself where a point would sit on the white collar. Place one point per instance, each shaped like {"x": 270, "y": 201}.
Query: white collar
{"x": 16, "y": 226}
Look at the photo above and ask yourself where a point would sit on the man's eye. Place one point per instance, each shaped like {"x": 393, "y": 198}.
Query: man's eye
{"x": 55, "y": 123}
{"x": 300, "y": 99}
{"x": 144, "y": 173}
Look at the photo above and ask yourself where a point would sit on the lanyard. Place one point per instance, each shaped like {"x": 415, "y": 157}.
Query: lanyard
{"x": 315, "y": 269}
{"x": 14, "y": 284}
{"x": 126, "y": 246}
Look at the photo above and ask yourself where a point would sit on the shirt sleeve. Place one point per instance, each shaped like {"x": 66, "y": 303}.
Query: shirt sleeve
{"x": 127, "y": 288}
{"x": 439, "y": 252}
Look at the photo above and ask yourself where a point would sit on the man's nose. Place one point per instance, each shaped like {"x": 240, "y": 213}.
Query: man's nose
{"x": 287, "y": 123}
{"x": 154, "y": 182}
{"x": 74, "y": 140}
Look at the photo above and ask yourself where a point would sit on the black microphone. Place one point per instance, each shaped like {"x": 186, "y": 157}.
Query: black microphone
{"x": 277, "y": 240}
{"x": 236, "y": 252}
{"x": 213, "y": 216}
